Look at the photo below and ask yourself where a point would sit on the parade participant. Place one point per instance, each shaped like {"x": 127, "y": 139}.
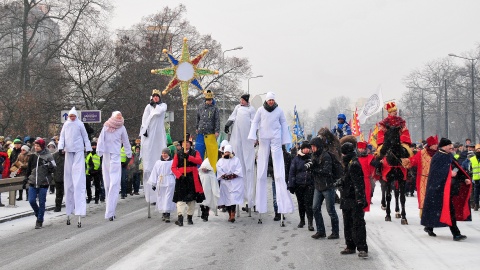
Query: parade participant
{"x": 300, "y": 183}
{"x": 110, "y": 141}
{"x": 272, "y": 129}
{"x": 422, "y": 160}
{"x": 321, "y": 167}
{"x": 241, "y": 119}
{"x": 353, "y": 203}
{"x": 188, "y": 188}
{"x": 208, "y": 126}
{"x": 475, "y": 165}
{"x": 74, "y": 141}
{"x": 163, "y": 179}
{"x": 342, "y": 128}
{"x": 153, "y": 139}
{"x": 210, "y": 189}
{"x": 39, "y": 174}
{"x": 59, "y": 158}
{"x": 392, "y": 120}
{"x": 94, "y": 169}
{"x": 448, "y": 192}
{"x": 368, "y": 170}
{"x": 230, "y": 175}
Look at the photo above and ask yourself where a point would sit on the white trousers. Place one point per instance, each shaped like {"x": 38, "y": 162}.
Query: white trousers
{"x": 75, "y": 183}
{"x": 284, "y": 201}
{"x": 112, "y": 174}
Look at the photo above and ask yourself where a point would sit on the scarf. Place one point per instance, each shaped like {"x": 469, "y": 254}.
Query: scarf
{"x": 113, "y": 124}
{"x": 431, "y": 152}
{"x": 268, "y": 108}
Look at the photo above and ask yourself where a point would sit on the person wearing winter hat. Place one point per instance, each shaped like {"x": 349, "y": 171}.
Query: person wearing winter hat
{"x": 321, "y": 167}
{"x": 300, "y": 183}
{"x": 422, "y": 160}
{"x": 475, "y": 169}
{"x": 447, "y": 182}
{"x": 208, "y": 126}
{"x": 368, "y": 169}
{"x": 40, "y": 167}
{"x": 153, "y": 139}
{"x": 241, "y": 118}
{"x": 230, "y": 176}
{"x": 17, "y": 145}
{"x": 74, "y": 141}
{"x": 353, "y": 202}
{"x": 22, "y": 163}
{"x": 109, "y": 145}
{"x": 342, "y": 128}
{"x": 272, "y": 127}
{"x": 162, "y": 181}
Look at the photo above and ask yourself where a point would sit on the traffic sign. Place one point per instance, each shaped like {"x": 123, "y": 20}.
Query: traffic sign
{"x": 86, "y": 116}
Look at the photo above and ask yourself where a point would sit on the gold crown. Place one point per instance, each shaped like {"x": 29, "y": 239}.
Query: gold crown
{"x": 390, "y": 107}
{"x": 156, "y": 92}
{"x": 208, "y": 94}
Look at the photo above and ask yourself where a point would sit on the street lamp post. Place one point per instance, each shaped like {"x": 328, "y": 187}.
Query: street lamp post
{"x": 473, "y": 92}
{"x": 223, "y": 80}
{"x": 258, "y": 76}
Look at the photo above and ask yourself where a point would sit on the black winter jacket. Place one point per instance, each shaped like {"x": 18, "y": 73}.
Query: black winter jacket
{"x": 40, "y": 168}
{"x": 208, "y": 119}
{"x": 321, "y": 170}
{"x": 298, "y": 175}
{"x": 352, "y": 186}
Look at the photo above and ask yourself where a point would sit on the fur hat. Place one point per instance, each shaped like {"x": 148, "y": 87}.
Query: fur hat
{"x": 245, "y": 97}
{"x": 270, "y": 95}
{"x": 432, "y": 140}
{"x": 444, "y": 142}
{"x": 208, "y": 94}
{"x": 390, "y": 107}
{"x": 156, "y": 92}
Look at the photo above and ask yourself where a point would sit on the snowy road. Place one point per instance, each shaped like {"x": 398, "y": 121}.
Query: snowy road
{"x": 134, "y": 242}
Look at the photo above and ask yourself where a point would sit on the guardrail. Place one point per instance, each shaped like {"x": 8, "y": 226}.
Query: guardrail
{"x": 11, "y": 185}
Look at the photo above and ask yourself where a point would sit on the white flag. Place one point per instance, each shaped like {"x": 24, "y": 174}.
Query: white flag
{"x": 373, "y": 105}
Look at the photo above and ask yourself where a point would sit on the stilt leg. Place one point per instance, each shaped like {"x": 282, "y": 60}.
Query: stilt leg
{"x": 249, "y": 212}
{"x": 260, "y": 219}
{"x": 79, "y": 225}
{"x": 282, "y": 224}
{"x": 68, "y": 220}
{"x": 149, "y": 216}
{"x": 238, "y": 210}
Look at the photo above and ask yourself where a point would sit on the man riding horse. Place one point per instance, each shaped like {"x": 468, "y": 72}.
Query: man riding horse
{"x": 394, "y": 143}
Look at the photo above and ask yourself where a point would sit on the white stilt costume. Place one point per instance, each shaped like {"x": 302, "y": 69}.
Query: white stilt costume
{"x": 209, "y": 184}
{"x": 242, "y": 117}
{"x": 231, "y": 190}
{"x": 109, "y": 144}
{"x": 151, "y": 145}
{"x": 74, "y": 141}
{"x": 163, "y": 178}
{"x": 272, "y": 134}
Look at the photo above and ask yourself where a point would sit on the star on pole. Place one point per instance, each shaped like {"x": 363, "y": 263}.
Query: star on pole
{"x": 184, "y": 71}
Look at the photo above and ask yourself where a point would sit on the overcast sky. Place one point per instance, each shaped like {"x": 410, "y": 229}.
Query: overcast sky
{"x": 310, "y": 51}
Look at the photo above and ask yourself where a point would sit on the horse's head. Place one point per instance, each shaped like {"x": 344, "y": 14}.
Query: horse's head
{"x": 392, "y": 146}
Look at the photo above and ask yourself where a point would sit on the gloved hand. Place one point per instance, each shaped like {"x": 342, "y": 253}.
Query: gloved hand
{"x": 152, "y": 103}
{"x": 308, "y": 165}
{"x": 291, "y": 189}
{"x": 227, "y": 129}
{"x": 154, "y": 188}
{"x": 362, "y": 203}
{"x": 146, "y": 133}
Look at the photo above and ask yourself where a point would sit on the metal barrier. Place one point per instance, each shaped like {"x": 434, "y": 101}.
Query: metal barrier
{"x": 11, "y": 185}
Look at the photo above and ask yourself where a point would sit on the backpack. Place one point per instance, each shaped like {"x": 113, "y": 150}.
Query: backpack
{"x": 337, "y": 167}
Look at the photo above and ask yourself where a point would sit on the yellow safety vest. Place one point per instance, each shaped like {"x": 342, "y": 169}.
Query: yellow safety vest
{"x": 123, "y": 156}
{"x": 456, "y": 156}
{"x": 475, "y": 168}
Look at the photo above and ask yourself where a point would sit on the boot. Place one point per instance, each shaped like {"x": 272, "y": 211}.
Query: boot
{"x": 57, "y": 208}
{"x": 301, "y": 224}
{"x": 167, "y": 217}
{"x": 20, "y": 195}
{"x": 205, "y": 210}
{"x": 310, "y": 224}
{"x": 232, "y": 214}
{"x": 38, "y": 224}
{"x": 277, "y": 217}
{"x": 163, "y": 216}
{"x": 189, "y": 219}
{"x": 179, "y": 222}
{"x": 475, "y": 208}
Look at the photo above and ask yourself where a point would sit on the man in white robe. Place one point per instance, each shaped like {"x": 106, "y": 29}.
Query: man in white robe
{"x": 162, "y": 180}
{"x": 272, "y": 129}
{"x": 74, "y": 141}
{"x": 210, "y": 188}
{"x": 109, "y": 143}
{"x": 154, "y": 139}
{"x": 241, "y": 119}
{"x": 230, "y": 175}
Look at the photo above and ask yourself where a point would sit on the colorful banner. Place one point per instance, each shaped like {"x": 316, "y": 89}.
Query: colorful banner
{"x": 373, "y": 105}
{"x": 355, "y": 124}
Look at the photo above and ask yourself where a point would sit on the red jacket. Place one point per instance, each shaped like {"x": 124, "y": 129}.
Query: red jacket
{"x": 6, "y": 165}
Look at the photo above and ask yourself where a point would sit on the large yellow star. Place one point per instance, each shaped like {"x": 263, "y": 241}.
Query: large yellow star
{"x": 184, "y": 72}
